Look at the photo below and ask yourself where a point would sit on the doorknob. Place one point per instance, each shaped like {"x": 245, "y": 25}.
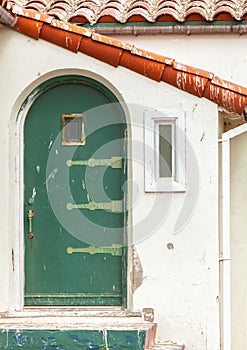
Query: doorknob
{"x": 30, "y": 215}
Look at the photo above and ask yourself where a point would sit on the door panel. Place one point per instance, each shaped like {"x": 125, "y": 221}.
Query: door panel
{"x": 75, "y": 256}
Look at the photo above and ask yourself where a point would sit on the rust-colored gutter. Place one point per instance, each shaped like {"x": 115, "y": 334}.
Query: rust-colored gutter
{"x": 195, "y": 81}
{"x": 174, "y": 29}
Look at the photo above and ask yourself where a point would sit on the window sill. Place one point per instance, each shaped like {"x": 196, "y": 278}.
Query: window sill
{"x": 164, "y": 186}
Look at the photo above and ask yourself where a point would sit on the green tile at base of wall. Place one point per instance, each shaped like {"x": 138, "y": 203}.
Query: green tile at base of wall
{"x": 12, "y": 339}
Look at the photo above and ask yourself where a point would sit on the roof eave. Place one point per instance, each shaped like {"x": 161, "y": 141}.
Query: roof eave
{"x": 192, "y": 80}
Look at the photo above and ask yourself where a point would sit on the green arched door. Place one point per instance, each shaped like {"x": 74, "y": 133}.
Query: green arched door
{"x": 74, "y": 207}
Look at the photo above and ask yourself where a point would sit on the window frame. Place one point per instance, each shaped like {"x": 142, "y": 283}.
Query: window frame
{"x": 66, "y": 120}
{"x": 152, "y": 120}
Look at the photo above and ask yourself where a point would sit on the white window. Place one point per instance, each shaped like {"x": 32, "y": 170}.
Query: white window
{"x": 164, "y": 151}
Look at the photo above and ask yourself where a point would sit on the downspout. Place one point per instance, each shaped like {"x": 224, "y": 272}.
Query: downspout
{"x": 225, "y": 239}
{"x": 6, "y": 18}
{"x": 225, "y": 255}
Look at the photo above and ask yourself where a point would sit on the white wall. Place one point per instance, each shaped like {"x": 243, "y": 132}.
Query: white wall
{"x": 181, "y": 284}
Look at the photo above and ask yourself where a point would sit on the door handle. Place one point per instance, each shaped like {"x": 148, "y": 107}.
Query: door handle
{"x": 30, "y": 215}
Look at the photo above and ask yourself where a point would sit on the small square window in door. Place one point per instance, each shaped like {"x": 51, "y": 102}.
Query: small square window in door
{"x": 73, "y": 133}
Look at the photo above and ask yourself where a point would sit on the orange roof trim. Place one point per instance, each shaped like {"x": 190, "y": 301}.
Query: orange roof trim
{"x": 116, "y": 53}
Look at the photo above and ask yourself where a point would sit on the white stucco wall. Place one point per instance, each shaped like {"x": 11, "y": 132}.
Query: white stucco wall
{"x": 182, "y": 283}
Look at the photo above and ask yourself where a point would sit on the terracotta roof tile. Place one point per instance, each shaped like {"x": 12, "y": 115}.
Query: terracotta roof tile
{"x": 60, "y": 37}
{"x": 111, "y": 41}
{"x": 36, "y": 5}
{"x": 124, "y": 11}
{"x": 228, "y": 85}
{"x": 195, "y": 71}
{"x": 150, "y": 55}
{"x": 29, "y": 27}
{"x": 142, "y": 65}
{"x": 102, "y": 51}
{"x": 192, "y": 83}
{"x": 116, "y": 53}
{"x": 227, "y": 98}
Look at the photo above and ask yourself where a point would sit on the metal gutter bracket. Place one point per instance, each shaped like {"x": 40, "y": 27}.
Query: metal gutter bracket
{"x": 6, "y": 18}
{"x": 245, "y": 113}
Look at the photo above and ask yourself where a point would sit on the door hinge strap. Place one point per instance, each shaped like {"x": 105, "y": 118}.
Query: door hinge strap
{"x": 113, "y": 162}
{"x": 114, "y": 206}
{"x": 114, "y": 250}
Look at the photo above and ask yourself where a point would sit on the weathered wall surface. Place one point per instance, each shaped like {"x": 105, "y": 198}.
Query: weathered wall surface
{"x": 179, "y": 258}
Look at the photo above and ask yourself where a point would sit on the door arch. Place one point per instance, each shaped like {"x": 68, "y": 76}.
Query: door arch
{"x": 74, "y": 202}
